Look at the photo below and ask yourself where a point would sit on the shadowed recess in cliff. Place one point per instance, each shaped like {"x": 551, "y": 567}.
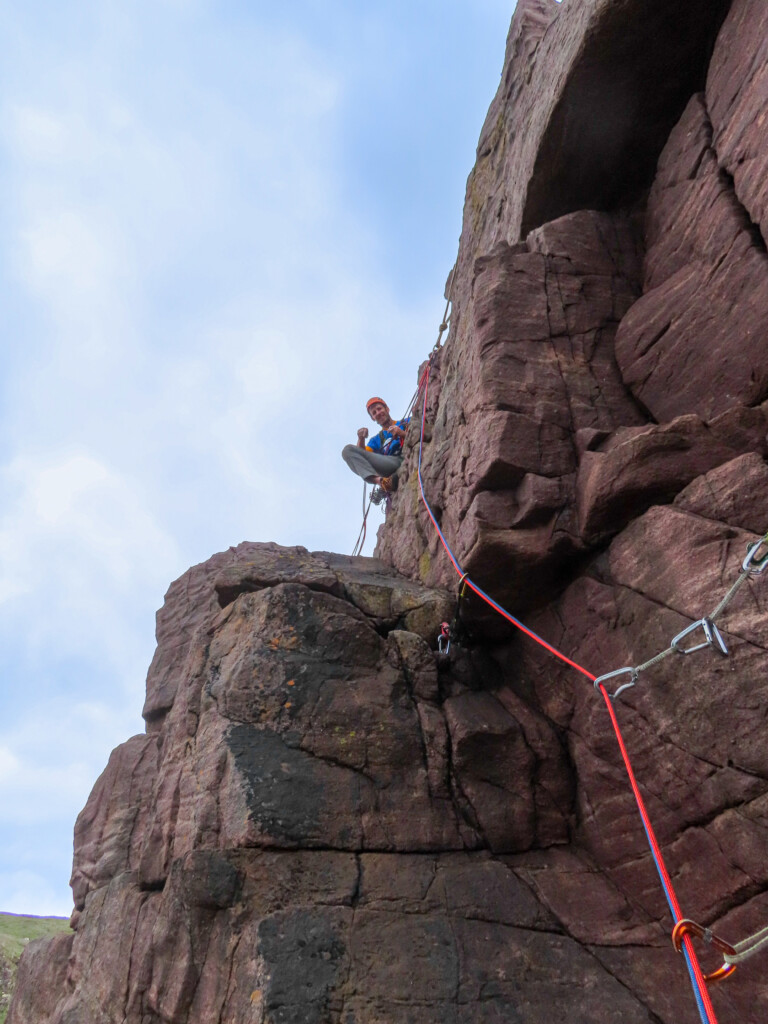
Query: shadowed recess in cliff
{"x": 638, "y": 68}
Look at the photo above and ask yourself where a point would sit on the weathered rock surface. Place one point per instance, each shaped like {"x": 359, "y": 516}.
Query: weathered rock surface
{"x": 548, "y": 481}
{"x": 694, "y": 725}
{"x": 695, "y": 342}
{"x": 41, "y": 978}
{"x": 602, "y": 361}
{"x": 316, "y": 831}
{"x": 329, "y": 823}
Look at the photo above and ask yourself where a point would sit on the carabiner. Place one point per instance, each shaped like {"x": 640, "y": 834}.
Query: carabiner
{"x": 444, "y": 640}
{"x": 712, "y": 638}
{"x": 687, "y": 927}
{"x": 753, "y": 565}
{"x": 618, "y": 672}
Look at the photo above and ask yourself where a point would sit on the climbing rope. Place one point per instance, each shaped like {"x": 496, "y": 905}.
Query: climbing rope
{"x": 754, "y": 565}
{"x": 360, "y": 542}
{"x": 703, "y": 1001}
{"x": 444, "y": 324}
{"x": 465, "y": 576}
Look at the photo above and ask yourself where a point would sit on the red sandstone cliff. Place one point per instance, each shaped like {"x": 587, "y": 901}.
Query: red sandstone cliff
{"x": 325, "y": 822}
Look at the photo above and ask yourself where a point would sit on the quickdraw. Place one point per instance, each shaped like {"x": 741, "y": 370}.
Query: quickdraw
{"x": 755, "y": 564}
{"x": 712, "y": 638}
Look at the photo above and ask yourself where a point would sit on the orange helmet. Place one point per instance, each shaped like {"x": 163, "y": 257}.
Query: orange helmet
{"x": 373, "y": 401}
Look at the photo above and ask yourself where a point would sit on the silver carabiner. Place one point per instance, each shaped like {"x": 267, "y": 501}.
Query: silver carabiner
{"x": 756, "y": 566}
{"x": 712, "y": 638}
{"x": 618, "y": 672}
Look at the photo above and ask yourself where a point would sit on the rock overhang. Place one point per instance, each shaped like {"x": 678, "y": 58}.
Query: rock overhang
{"x": 638, "y": 64}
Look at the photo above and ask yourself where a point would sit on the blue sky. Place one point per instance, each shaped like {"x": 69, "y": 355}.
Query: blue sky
{"x": 223, "y": 226}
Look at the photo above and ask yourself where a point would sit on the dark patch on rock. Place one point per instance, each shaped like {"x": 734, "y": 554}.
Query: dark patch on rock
{"x": 210, "y": 881}
{"x": 307, "y": 959}
{"x": 287, "y": 788}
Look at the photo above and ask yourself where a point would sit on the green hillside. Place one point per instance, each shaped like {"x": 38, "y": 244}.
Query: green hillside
{"x": 15, "y": 932}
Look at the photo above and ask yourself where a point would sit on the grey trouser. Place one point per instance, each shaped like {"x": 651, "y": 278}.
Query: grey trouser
{"x": 367, "y": 464}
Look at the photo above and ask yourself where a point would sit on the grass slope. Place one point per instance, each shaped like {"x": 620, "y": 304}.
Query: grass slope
{"x": 15, "y": 932}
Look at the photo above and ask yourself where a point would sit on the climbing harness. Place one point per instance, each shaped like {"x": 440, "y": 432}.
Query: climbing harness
{"x": 754, "y": 565}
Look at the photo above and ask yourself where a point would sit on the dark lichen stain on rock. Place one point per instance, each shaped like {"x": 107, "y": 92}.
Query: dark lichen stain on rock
{"x": 285, "y": 795}
{"x": 307, "y": 961}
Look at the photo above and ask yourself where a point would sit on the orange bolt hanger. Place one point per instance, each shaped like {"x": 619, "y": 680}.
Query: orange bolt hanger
{"x": 687, "y": 927}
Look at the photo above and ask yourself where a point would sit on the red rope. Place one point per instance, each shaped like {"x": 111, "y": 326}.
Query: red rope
{"x": 703, "y": 999}
{"x": 658, "y": 857}
{"x": 473, "y": 586}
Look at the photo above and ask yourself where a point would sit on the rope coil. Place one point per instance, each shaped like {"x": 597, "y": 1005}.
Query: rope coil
{"x": 360, "y": 542}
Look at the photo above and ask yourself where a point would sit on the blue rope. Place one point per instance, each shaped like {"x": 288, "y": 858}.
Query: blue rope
{"x": 688, "y": 963}
{"x": 670, "y": 900}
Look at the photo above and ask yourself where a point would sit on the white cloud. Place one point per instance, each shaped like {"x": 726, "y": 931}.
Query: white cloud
{"x": 31, "y": 794}
{"x": 68, "y": 260}
{"x": 71, "y": 510}
{"x": 10, "y": 766}
{"x": 38, "y": 134}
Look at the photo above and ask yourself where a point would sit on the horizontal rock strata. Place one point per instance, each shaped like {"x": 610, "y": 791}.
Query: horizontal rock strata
{"x": 607, "y": 491}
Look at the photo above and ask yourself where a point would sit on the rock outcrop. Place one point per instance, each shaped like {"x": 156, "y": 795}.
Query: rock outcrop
{"x": 327, "y": 822}
{"x": 314, "y": 827}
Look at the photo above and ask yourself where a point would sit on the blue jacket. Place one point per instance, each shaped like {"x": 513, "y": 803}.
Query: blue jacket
{"x": 385, "y": 443}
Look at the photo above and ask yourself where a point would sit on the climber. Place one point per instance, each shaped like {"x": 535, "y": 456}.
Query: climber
{"x": 378, "y": 461}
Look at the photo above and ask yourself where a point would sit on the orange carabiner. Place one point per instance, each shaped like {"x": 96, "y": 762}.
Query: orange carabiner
{"x": 687, "y": 927}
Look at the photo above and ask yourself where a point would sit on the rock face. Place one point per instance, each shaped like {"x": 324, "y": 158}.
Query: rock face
{"x": 327, "y": 822}
{"x": 599, "y": 362}
{"x": 315, "y": 811}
